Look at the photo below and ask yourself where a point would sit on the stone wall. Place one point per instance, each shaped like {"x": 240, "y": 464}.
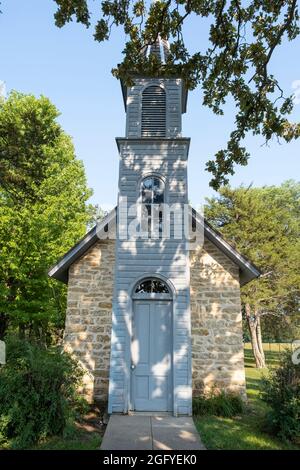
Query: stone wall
{"x": 217, "y": 347}
{"x": 88, "y": 319}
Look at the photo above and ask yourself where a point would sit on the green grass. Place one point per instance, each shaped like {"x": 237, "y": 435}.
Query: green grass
{"x": 271, "y": 347}
{"x": 76, "y": 439}
{"x": 244, "y": 432}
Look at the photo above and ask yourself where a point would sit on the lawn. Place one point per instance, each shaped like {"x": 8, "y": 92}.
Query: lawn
{"x": 244, "y": 432}
{"x": 84, "y": 435}
{"x": 78, "y": 439}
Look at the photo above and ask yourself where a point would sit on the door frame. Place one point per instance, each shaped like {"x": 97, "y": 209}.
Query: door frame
{"x": 150, "y": 297}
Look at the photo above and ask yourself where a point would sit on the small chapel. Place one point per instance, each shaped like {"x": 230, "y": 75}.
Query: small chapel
{"x": 153, "y": 320}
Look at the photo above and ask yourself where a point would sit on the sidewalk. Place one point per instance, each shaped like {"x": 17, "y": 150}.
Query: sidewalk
{"x": 151, "y": 433}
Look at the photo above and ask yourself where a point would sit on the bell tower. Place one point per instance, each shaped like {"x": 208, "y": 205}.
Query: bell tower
{"x": 150, "y": 361}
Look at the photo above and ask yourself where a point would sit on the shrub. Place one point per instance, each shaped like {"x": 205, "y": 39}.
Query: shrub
{"x": 37, "y": 393}
{"x": 281, "y": 390}
{"x": 218, "y": 404}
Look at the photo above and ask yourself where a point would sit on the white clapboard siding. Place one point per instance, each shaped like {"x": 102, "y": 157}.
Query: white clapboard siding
{"x": 154, "y": 144}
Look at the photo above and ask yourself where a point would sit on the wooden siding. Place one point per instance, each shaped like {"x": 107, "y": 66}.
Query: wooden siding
{"x": 136, "y": 259}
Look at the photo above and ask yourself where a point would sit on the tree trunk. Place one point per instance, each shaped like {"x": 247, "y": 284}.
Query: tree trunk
{"x": 4, "y": 320}
{"x": 253, "y": 322}
{"x": 259, "y": 340}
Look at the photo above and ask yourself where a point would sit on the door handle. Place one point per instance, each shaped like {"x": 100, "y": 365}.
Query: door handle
{"x": 132, "y": 367}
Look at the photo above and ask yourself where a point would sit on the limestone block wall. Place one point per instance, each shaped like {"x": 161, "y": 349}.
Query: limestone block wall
{"x": 88, "y": 318}
{"x": 217, "y": 347}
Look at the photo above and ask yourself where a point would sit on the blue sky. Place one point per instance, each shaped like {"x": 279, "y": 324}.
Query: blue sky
{"x": 74, "y": 71}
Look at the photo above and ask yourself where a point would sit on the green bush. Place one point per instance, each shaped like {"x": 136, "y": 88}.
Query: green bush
{"x": 37, "y": 393}
{"x": 281, "y": 391}
{"x": 218, "y": 404}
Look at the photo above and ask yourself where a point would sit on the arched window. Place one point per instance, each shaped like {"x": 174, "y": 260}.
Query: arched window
{"x": 152, "y": 198}
{"x": 154, "y": 112}
{"x": 152, "y": 286}
{"x": 152, "y": 189}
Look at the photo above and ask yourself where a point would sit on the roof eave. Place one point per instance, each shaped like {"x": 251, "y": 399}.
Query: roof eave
{"x": 60, "y": 270}
{"x": 248, "y": 271}
{"x": 184, "y": 98}
{"x": 124, "y": 94}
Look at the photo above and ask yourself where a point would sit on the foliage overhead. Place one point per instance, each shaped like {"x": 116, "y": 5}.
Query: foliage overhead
{"x": 43, "y": 212}
{"x": 242, "y": 39}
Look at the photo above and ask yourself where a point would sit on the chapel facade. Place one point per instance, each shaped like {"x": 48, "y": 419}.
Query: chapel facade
{"x": 154, "y": 318}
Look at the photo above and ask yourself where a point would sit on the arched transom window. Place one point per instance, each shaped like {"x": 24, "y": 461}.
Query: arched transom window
{"x": 154, "y": 112}
{"x": 152, "y": 286}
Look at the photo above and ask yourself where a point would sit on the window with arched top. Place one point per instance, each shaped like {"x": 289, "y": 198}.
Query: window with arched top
{"x": 152, "y": 286}
{"x": 152, "y": 198}
{"x": 152, "y": 190}
{"x": 153, "y": 112}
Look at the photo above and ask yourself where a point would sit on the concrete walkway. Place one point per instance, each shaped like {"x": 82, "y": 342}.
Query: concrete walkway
{"x": 142, "y": 432}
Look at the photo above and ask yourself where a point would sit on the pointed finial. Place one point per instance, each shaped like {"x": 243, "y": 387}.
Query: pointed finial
{"x": 160, "y": 48}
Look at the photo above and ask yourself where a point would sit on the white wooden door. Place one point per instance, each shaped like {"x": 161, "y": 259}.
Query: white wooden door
{"x": 151, "y": 356}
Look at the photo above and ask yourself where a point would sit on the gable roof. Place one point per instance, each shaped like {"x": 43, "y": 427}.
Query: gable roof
{"x": 248, "y": 271}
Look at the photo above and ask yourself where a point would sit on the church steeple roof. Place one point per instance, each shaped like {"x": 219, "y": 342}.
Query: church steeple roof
{"x": 160, "y": 48}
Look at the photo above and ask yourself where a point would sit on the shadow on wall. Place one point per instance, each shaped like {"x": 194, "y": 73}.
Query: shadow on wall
{"x": 217, "y": 348}
{"x": 218, "y": 352}
{"x": 88, "y": 319}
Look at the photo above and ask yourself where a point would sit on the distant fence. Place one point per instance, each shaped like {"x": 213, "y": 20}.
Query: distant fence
{"x": 273, "y": 347}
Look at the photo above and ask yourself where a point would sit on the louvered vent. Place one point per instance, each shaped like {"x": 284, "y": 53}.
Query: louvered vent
{"x": 154, "y": 112}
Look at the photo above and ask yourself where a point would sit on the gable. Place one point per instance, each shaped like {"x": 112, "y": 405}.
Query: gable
{"x": 247, "y": 270}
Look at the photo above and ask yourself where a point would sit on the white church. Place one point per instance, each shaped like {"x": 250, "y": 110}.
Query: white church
{"x": 154, "y": 320}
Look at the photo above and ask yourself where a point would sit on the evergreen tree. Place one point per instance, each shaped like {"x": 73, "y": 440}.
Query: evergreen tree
{"x": 264, "y": 224}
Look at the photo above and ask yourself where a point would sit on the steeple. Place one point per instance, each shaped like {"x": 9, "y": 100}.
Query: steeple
{"x": 154, "y": 105}
{"x": 160, "y": 48}
{"x": 152, "y": 182}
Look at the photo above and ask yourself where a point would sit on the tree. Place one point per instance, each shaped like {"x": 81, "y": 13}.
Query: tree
{"x": 43, "y": 211}
{"x": 28, "y": 130}
{"x": 264, "y": 224}
{"x": 281, "y": 328}
{"x": 242, "y": 39}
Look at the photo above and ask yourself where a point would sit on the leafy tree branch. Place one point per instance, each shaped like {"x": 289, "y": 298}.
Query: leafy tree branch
{"x": 242, "y": 39}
